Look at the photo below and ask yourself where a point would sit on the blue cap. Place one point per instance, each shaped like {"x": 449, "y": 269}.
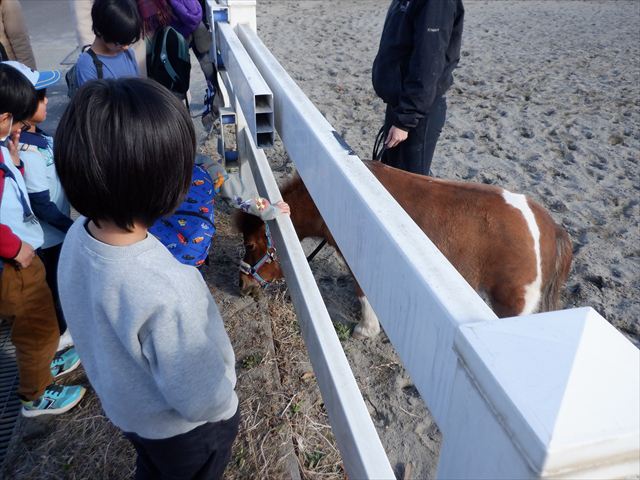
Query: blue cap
{"x": 39, "y": 79}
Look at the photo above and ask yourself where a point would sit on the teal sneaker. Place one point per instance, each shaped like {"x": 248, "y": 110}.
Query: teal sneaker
{"x": 64, "y": 362}
{"x": 55, "y": 400}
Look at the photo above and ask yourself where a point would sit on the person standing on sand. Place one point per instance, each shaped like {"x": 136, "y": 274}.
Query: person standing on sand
{"x": 419, "y": 48}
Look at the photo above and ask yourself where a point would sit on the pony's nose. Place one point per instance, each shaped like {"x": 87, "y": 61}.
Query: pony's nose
{"x": 248, "y": 286}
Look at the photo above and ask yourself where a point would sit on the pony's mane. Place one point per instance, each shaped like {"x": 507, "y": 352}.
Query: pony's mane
{"x": 245, "y": 222}
{"x": 291, "y": 185}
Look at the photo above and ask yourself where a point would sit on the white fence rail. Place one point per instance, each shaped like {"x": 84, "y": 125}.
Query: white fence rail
{"x": 549, "y": 395}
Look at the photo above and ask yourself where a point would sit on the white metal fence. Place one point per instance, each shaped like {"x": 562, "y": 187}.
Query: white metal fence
{"x": 547, "y": 395}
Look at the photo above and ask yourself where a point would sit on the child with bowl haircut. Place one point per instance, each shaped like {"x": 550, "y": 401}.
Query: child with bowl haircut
{"x": 146, "y": 327}
{"x": 116, "y": 25}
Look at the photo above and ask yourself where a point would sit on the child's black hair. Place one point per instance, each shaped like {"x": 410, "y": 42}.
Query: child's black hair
{"x": 41, "y": 94}
{"x": 116, "y": 21}
{"x": 124, "y": 151}
{"x": 17, "y": 95}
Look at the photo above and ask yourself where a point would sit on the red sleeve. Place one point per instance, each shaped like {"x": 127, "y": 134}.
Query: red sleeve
{"x": 10, "y": 243}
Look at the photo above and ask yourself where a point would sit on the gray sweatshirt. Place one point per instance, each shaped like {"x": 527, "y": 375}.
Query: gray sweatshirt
{"x": 148, "y": 333}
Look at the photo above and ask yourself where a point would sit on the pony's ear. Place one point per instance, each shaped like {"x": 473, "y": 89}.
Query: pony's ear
{"x": 246, "y": 223}
{"x": 237, "y": 221}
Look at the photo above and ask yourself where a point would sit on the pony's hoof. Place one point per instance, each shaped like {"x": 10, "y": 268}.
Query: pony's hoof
{"x": 362, "y": 332}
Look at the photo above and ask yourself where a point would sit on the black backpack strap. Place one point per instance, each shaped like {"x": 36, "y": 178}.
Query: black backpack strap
{"x": 3, "y": 54}
{"x": 96, "y": 62}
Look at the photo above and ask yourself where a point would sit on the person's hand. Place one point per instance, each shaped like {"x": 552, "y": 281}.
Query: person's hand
{"x": 396, "y": 135}
{"x": 25, "y": 255}
{"x": 283, "y": 207}
{"x": 12, "y": 145}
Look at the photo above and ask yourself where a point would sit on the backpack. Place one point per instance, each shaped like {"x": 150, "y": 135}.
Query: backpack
{"x": 187, "y": 233}
{"x": 72, "y": 78}
{"x": 168, "y": 61}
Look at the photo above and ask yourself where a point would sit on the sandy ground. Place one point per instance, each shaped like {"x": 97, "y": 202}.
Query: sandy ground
{"x": 545, "y": 102}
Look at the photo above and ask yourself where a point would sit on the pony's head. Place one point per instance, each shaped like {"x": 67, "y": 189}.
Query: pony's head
{"x": 259, "y": 266}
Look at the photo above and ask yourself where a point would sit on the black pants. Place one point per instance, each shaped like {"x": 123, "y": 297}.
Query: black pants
{"x": 201, "y": 454}
{"x": 50, "y": 257}
{"x": 416, "y": 152}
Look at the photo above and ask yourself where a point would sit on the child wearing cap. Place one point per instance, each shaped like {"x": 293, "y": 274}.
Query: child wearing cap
{"x": 48, "y": 201}
{"x": 25, "y": 298}
{"x": 116, "y": 25}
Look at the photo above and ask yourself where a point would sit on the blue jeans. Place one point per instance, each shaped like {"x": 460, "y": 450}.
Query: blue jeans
{"x": 416, "y": 152}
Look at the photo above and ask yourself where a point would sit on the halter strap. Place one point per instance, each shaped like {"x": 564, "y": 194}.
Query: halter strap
{"x": 268, "y": 257}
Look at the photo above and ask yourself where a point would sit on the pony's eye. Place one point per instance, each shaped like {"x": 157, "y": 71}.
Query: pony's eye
{"x": 249, "y": 246}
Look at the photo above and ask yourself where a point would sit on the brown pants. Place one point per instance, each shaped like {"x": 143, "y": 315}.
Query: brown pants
{"x": 26, "y": 300}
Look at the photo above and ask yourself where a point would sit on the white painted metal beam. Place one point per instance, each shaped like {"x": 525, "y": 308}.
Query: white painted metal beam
{"x": 251, "y": 91}
{"x": 564, "y": 386}
{"x": 362, "y": 453}
{"x": 241, "y": 12}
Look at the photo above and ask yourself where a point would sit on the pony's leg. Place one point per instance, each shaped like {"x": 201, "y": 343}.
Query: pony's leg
{"x": 369, "y": 325}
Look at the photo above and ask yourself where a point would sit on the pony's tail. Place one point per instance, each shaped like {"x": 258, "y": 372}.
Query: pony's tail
{"x": 564, "y": 255}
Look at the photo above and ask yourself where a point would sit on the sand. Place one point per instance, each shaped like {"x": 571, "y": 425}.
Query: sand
{"x": 545, "y": 102}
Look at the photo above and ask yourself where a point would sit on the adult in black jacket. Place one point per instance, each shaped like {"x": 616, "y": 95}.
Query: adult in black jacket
{"x": 419, "y": 48}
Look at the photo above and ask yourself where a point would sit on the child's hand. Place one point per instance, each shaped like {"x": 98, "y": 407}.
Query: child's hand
{"x": 283, "y": 207}
{"x": 25, "y": 255}
{"x": 12, "y": 145}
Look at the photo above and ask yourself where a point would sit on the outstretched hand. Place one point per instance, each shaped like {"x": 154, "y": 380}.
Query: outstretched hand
{"x": 283, "y": 207}
{"x": 396, "y": 136}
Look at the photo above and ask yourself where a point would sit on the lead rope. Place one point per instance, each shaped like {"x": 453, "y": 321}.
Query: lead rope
{"x": 317, "y": 250}
{"x": 379, "y": 146}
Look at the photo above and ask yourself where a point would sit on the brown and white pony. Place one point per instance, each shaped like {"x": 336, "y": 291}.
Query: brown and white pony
{"x": 504, "y": 244}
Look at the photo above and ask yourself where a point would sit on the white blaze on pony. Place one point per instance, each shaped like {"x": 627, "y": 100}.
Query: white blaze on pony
{"x": 533, "y": 291}
{"x": 502, "y": 243}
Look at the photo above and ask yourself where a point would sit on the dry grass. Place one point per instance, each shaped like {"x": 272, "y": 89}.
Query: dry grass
{"x": 313, "y": 441}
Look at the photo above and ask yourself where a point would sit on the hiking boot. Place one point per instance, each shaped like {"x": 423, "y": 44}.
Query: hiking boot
{"x": 65, "y": 341}
{"x": 55, "y": 400}
{"x": 64, "y": 362}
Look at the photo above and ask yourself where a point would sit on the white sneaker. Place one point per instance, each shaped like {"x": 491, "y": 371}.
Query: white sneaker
{"x": 65, "y": 340}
